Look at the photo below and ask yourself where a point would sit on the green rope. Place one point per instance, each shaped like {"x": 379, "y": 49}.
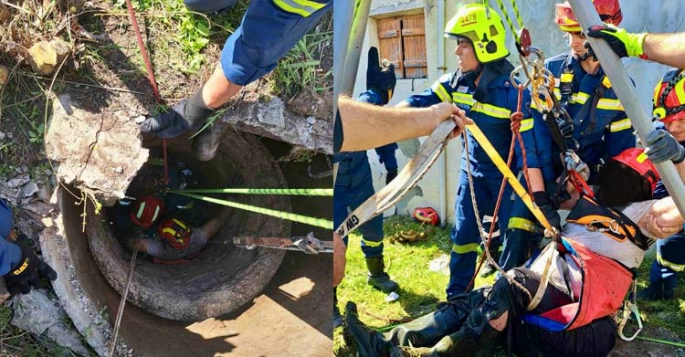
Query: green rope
{"x": 511, "y": 24}
{"x": 661, "y": 341}
{"x": 328, "y": 192}
{"x": 316, "y": 222}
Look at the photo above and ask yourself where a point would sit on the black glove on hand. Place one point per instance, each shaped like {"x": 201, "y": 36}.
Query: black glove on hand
{"x": 179, "y": 119}
{"x": 662, "y": 146}
{"x": 380, "y": 78}
{"x": 390, "y": 176}
{"x": 546, "y": 205}
{"x": 28, "y": 271}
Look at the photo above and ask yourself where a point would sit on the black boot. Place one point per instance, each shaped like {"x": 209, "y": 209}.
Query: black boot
{"x": 367, "y": 342}
{"x": 337, "y": 317}
{"x": 378, "y": 278}
{"x": 429, "y": 329}
{"x": 206, "y": 142}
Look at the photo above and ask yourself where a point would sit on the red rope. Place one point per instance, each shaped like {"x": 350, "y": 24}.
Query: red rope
{"x": 516, "y": 119}
{"x": 150, "y": 76}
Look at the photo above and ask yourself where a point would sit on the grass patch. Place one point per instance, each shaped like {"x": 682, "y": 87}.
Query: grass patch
{"x": 408, "y": 264}
{"x": 16, "y": 342}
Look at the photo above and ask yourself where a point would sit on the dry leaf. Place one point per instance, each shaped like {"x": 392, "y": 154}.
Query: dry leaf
{"x": 4, "y": 13}
{"x": 4, "y": 74}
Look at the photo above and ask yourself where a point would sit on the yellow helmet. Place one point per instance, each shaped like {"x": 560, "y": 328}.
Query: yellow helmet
{"x": 483, "y": 26}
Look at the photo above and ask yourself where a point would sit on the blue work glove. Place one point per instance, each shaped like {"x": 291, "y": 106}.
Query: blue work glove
{"x": 623, "y": 43}
{"x": 390, "y": 176}
{"x": 661, "y": 146}
{"x": 546, "y": 205}
{"x": 182, "y": 117}
{"x": 27, "y": 272}
{"x": 380, "y": 78}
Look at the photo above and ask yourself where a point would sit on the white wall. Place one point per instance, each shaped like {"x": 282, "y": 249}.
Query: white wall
{"x": 537, "y": 16}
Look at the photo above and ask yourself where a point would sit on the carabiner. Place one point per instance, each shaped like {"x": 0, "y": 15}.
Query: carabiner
{"x": 629, "y": 309}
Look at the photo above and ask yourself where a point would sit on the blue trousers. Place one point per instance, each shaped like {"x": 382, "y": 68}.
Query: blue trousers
{"x": 670, "y": 258}
{"x": 523, "y": 232}
{"x": 10, "y": 253}
{"x": 349, "y": 193}
{"x": 465, "y": 234}
{"x": 266, "y": 34}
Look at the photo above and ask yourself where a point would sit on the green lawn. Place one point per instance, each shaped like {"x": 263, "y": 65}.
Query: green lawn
{"x": 421, "y": 289}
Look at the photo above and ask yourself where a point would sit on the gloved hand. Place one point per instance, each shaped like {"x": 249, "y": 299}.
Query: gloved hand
{"x": 661, "y": 146}
{"x": 623, "y": 43}
{"x": 180, "y": 118}
{"x": 28, "y": 271}
{"x": 546, "y": 205}
{"x": 380, "y": 78}
{"x": 574, "y": 163}
{"x": 390, "y": 176}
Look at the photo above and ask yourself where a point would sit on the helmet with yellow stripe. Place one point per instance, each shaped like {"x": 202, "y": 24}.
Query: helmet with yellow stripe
{"x": 483, "y": 27}
{"x": 609, "y": 12}
{"x": 175, "y": 232}
{"x": 669, "y": 97}
{"x": 146, "y": 211}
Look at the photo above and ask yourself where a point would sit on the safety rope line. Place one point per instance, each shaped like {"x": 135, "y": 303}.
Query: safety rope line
{"x": 661, "y": 341}
{"x": 158, "y": 98}
{"x": 323, "y": 192}
{"x": 312, "y": 221}
{"x": 122, "y": 303}
{"x": 508, "y": 19}
{"x": 515, "y": 118}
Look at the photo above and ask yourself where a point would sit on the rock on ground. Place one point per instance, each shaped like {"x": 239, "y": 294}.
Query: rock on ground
{"x": 37, "y": 313}
{"x": 97, "y": 152}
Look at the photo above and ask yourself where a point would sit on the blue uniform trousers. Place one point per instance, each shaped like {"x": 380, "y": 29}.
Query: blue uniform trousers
{"x": 670, "y": 258}
{"x": 465, "y": 234}
{"x": 523, "y": 232}
{"x": 350, "y": 192}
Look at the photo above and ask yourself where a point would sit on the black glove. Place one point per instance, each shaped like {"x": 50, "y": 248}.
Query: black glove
{"x": 546, "y": 205}
{"x": 623, "y": 43}
{"x": 28, "y": 271}
{"x": 661, "y": 146}
{"x": 179, "y": 119}
{"x": 380, "y": 78}
{"x": 390, "y": 176}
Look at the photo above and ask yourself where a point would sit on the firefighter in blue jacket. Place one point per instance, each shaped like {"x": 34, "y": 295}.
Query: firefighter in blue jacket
{"x": 669, "y": 108}
{"x": 600, "y": 130}
{"x": 269, "y": 29}
{"x": 354, "y": 184}
{"x": 20, "y": 268}
{"x": 481, "y": 87}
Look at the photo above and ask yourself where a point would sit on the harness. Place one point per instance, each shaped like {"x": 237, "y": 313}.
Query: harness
{"x": 604, "y": 281}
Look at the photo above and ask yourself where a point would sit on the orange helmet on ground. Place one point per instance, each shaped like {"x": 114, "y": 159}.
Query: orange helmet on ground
{"x": 426, "y": 215}
{"x": 669, "y": 97}
{"x": 609, "y": 12}
{"x": 175, "y": 232}
{"x": 146, "y": 210}
{"x": 628, "y": 177}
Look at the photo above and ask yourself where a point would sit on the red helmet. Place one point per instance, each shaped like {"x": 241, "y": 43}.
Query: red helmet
{"x": 669, "y": 97}
{"x": 146, "y": 211}
{"x": 636, "y": 159}
{"x": 426, "y": 215}
{"x": 609, "y": 11}
{"x": 175, "y": 232}
{"x": 627, "y": 177}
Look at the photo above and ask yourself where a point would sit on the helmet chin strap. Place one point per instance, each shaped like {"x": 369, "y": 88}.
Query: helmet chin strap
{"x": 585, "y": 56}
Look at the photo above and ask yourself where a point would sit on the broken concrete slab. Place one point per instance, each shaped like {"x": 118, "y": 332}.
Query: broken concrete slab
{"x": 38, "y": 313}
{"x": 96, "y": 155}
